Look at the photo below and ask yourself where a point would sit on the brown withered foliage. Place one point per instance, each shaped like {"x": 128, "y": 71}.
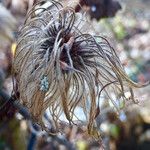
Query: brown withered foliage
{"x": 99, "y": 8}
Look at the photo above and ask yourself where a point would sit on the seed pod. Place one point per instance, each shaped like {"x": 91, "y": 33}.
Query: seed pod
{"x": 59, "y": 67}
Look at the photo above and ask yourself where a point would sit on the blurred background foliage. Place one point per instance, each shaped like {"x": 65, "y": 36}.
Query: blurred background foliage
{"x": 129, "y": 33}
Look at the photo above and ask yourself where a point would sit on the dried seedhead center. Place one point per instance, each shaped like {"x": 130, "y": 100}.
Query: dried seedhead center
{"x": 59, "y": 67}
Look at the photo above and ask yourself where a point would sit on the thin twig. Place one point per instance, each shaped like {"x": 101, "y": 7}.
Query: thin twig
{"x": 24, "y": 112}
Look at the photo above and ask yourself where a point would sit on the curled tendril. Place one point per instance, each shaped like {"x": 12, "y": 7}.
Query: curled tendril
{"x": 60, "y": 68}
